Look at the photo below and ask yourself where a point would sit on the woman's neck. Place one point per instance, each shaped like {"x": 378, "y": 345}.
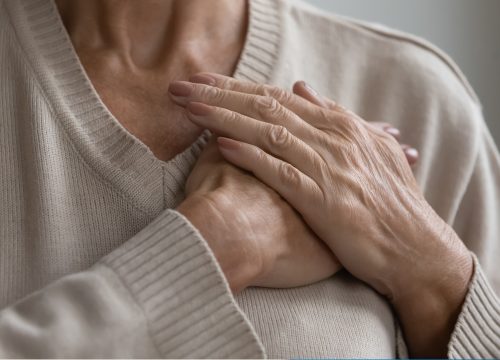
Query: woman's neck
{"x": 132, "y": 49}
{"x": 153, "y": 33}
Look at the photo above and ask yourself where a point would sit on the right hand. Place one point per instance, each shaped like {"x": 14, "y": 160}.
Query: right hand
{"x": 257, "y": 237}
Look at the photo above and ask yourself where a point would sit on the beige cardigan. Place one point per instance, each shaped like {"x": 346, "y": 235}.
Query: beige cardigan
{"x": 93, "y": 263}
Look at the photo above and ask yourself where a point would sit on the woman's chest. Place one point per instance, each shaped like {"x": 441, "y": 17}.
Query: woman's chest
{"x": 336, "y": 318}
{"x": 142, "y": 106}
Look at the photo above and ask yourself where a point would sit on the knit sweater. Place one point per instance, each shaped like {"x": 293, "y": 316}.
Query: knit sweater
{"x": 95, "y": 261}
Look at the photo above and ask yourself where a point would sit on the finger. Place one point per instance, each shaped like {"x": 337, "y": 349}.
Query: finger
{"x": 382, "y": 127}
{"x": 388, "y": 128}
{"x": 304, "y": 90}
{"x": 274, "y": 139}
{"x": 293, "y": 185}
{"x": 310, "y": 112}
{"x": 262, "y": 108}
{"x": 410, "y": 153}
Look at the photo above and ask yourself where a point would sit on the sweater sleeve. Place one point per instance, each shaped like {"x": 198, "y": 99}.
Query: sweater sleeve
{"x": 161, "y": 294}
{"x": 477, "y": 332}
{"x": 477, "y": 220}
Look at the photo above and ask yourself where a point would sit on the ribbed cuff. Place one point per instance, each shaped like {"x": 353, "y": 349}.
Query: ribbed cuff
{"x": 477, "y": 333}
{"x": 174, "y": 277}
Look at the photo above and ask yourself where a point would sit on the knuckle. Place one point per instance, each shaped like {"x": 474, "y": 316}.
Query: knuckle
{"x": 390, "y": 142}
{"x": 212, "y": 93}
{"x": 288, "y": 174}
{"x": 282, "y": 96}
{"x": 330, "y": 104}
{"x": 225, "y": 83}
{"x": 324, "y": 116}
{"x": 377, "y": 133}
{"x": 260, "y": 155}
{"x": 387, "y": 137}
{"x": 350, "y": 124}
{"x": 278, "y": 136}
{"x": 268, "y": 106}
{"x": 230, "y": 117}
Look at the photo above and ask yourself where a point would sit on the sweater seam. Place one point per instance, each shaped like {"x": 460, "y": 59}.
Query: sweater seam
{"x": 81, "y": 158}
{"x": 429, "y": 48}
{"x": 386, "y": 32}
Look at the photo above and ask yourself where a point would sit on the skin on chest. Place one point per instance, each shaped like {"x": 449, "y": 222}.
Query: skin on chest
{"x": 144, "y": 109}
{"x": 131, "y": 51}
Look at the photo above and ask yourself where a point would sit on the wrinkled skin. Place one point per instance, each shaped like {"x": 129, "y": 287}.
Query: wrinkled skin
{"x": 353, "y": 186}
{"x": 247, "y": 223}
{"x": 263, "y": 241}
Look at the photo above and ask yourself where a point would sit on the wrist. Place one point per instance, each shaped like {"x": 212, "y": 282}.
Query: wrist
{"x": 442, "y": 269}
{"x": 429, "y": 304}
{"x": 207, "y": 212}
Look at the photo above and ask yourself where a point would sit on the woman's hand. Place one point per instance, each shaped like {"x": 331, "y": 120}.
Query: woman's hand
{"x": 256, "y": 236}
{"x": 308, "y": 93}
{"x": 352, "y": 184}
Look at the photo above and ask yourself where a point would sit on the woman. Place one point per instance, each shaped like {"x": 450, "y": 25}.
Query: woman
{"x": 95, "y": 157}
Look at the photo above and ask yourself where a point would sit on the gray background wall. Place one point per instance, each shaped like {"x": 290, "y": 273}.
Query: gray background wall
{"x": 468, "y": 30}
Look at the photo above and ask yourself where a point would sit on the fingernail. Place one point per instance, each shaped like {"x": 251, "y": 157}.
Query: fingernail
{"x": 199, "y": 109}
{"x": 411, "y": 152}
{"x": 227, "y": 144}
{"x": 392, "y": 131}
{"x": 314, "y": 94}
{"x": 203, "y": 79}
{"x": 310, "y": 89}
{"x": 180, "y": 88}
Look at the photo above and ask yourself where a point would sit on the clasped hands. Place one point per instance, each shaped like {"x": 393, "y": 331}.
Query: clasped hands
{"x": 347, "y": 197}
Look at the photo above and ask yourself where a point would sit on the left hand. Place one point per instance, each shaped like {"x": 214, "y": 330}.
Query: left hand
{"x": 256, "y": 236}
{"x": 353, "y": 186}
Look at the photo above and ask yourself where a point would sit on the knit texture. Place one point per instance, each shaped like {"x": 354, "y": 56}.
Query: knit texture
{"x": 477, "y": 332}
{"x": 170, "y": 251}
{"x": 93, "y": 261}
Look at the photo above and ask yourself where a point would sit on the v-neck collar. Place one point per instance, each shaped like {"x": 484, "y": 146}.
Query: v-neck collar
{"x": 98, "y": 137}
